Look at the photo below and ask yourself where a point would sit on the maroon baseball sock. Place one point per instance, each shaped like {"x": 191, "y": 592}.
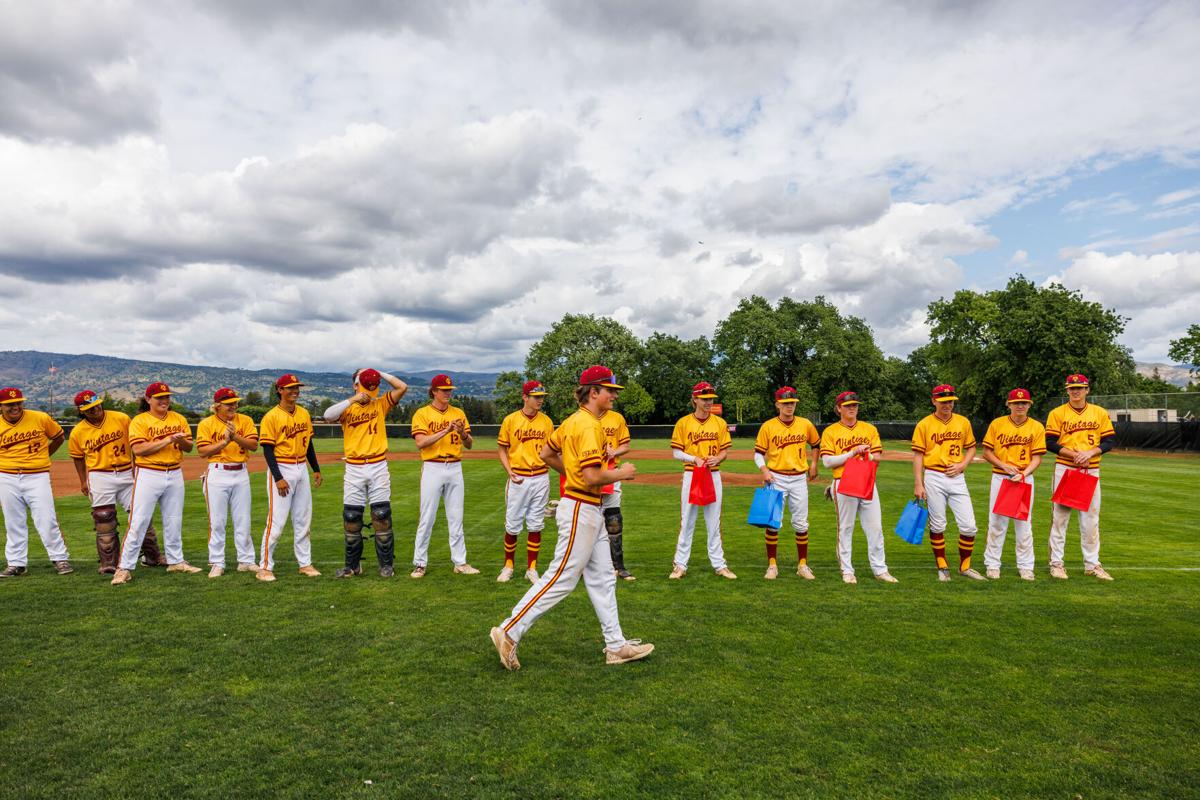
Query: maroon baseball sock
{"x": 772, "y": 540}
{"x": 937, "y": 540}
{"x": 802, "y": 546}
{"x": 533, "y": 544}
{"x": 510, "y": 548}
{"x": 966, "y": 546}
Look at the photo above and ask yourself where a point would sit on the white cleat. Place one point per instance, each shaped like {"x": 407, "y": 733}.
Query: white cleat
{"x": 1057, "y": 571}
{"x": 216, "y": 571}
{"x": 886, "y": 577}
{"x": 727, "y": 574}
{"x": 531, "y": 575}
{"x": 972, "y": 574}
{"x": 632, "y": 650}
{"x": 677, "y": 573}
{"x": 993, "y": 573}
{"x": 505, "y": 575}
{"x": 804, "y": 572}
{"x": 1026, "y": 574}
{"x": 944, "y": 575}
{"x": 465, "y": 569}
{"x": 772, "y": 573}
{"x": 1098, "y": 572}
{"x": 247, "y": 568}
{"x": 848, "y": 577}
{"x": 418, "y": 572}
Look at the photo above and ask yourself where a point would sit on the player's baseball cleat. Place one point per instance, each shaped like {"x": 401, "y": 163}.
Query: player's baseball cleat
{"x": 625, "y": 575}
{"x": 107, "y": 570}
{"x": 65, "y": 568}
{"x": 465, "y": 569}
{"x": 677, "y": 572}
{"x": 944, "y": 575}
{"x": 13, "y": 572}
{"x": 848, "y": 577}
{"x": 727, "y": 574}
{"x": 1098, "y": 572}
{"x": 772, "y": 573}
{"x": 505, "y": 575}
{"x": 1057, "y": 571}
{"x": 1026, "y": 574}
{"x": 531, "y": 575}
{"x": 804, "y": 572}
{"x": 265, "y": 575}
{"x": 216, "y": 571}
{"x": 418, "y": 572}
{"x": 506, "y": 648}
{"x": 886, "y": 577}
{"x": 122, "y": 576}
{"x": 161, "y": 561}
{"x": 993, "y": 573}
{"x": 387, "y": 571}
{"x": 247, "y": 568}
{"x": 182, "y": 566}
{"x": 348, "y": 572}
{"x": 971, "y": 573}
{"x": 309, "y": 571}
{"x": 632, "y": 650}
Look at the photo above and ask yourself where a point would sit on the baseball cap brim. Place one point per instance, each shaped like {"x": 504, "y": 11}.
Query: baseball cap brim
{"x": 1077, "y": 385}
{"x": 536, "y": 392}
{"x": 12, "y": 400}
{"x": 706, "y": 396}
{"x": 230, "y": 400}
{"x": 290, "y": 385}
{"x": 944, "y": 399}
{"x": 160, "y": 394}
{"x": 848, "y": 403}
{"x": 788, "y": 400}
{"x": 92, "y": 404}
{"x": 1020, "y": 400}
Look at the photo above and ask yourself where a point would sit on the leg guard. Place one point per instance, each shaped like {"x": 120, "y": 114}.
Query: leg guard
{"x": 107, "y": 543}
{"x": 352, "y": 522}
{"x": 151, "y": 556}
{"x": 615, "y": 524}
{"x": 381, "y": 521}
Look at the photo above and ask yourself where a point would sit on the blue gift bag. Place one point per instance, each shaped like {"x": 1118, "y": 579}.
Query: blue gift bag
{"x": 911, "y": 527}
{"x": 766, "y": 510}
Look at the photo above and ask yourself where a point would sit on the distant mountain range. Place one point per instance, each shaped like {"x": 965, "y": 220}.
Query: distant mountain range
{"x": 1176, "y": 374}
{"x": 125, "y": 379}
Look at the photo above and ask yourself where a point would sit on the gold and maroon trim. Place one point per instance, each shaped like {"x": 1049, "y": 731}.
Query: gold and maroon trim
{"x": 24, "y": 471}
{"x": 582, "y": 497}
{"x": 530, "y": 473}
{"x": 279, "y": 460}
{"x": 375, "y": 459}
{"x": 442, "y": 459}
{"x": 158, "y": 468}
{"x": 115, "y": 470}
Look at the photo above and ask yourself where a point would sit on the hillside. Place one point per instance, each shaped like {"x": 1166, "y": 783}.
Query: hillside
{"x": 1176, "y": 374}
{"x": 194, "y": 385}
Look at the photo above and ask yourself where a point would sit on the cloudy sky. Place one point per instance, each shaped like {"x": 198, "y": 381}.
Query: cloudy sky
{"x": 311, "y": 183}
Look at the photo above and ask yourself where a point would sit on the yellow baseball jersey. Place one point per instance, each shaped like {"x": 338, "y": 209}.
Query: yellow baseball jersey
{"x": 580, "y": 442}
{"x": 364, "y": 430}
{"x": 523, "y": 436}
{"x": 1079, "y": 430}
{"x": 24, "y": 446}
{"x": 1015, "y": 444}
{"x": 838, "y": 439}
{"x": 782, "y": 444}
{"x": 616, "y": 431}
{"x": 942, "y": 443}
{"x": 211, "y": 430}
{"x": 288, "y": 433}
{"x": 146, "y": 427}
{"x": 428, "y": 420}
{"x": 103, "y": 447}
{"x": 701, "y": 438}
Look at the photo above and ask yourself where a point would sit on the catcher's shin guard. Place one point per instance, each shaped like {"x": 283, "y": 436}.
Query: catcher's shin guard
{"x": 151, "y": 555}
{"x": 107, "y": 542}
{"x": 614, "y": 523}
{"x": 385, "y": 545}
{"x": 352, "y": 522}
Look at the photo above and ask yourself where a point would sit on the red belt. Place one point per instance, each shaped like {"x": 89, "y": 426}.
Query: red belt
{"x": 113, "y": 471}
{"x": 230, "y": 466}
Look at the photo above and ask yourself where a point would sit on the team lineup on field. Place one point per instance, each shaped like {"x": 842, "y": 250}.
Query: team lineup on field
{"x": 135, "y": 464}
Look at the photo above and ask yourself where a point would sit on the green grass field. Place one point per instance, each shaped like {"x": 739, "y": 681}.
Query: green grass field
{"x": 182, "y": 686}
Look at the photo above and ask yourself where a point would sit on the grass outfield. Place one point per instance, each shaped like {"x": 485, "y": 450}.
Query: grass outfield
{"x": 181, "y": 686}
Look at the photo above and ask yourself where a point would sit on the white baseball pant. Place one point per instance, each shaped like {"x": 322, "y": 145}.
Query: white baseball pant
{"x": 154, "y": 487}
{"x": 581, "y": 551}
{"x": 1089, "y": 525}
{"x": 227, "y": 494}
{"x": 871, "y": 520}
{"x": 297, "y": 504}
{"x": 998, "y": 529}
{"x": 365, "y": 484}
{"x": 525, "y": 503}
{"x": 29, "y": 491}
{"x": 712, "y": 521}
{"x": 940, "y": 492}
{"x": 795, "y": 490}
{"x": 110, "y": 488}
{"x": 441, "y": 482}
{"x": 611, "y": 500}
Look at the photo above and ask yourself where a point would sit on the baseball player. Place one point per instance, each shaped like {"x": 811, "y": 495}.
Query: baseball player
{"x": 1013, "y": 445}
{"x": 781, "y": 456}
{"x": 845, "y": 439}
{"x": 99, "y": 448}
{"x": 286, "y": 435}
{"x": 441, "y": 431}
{"x": 1078, "y": 433}
{"x": 943, "y": 445}
{"x": 158, "y": 438}
{"x": 27, "y": 440}
{"x": 701, "y": 438}
{"x": 363, "y": 418}
{"x": 617, "y": 442}
{"x": 225, "y": 438}
{"x": 576, "y": 450}
{"x": 523, "y": 433}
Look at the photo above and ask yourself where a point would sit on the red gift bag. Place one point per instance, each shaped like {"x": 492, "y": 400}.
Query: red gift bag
{"x": 1013, "y": 499}
{"x": 1075, "y": 489}
{"x": 858, "y": 478}
{"x": 703, "y": 492}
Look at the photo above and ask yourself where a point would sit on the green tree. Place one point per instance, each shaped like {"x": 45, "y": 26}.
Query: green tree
{"x": 1186, "y": 349}
{"x": 508, "y": 392}
{"x": 987, "y": 343}
{"x": 573, "y": 344}
{"x": 671, "y": 367}
{"x": 254, "y": 399}
{"x": 636, "y": 404}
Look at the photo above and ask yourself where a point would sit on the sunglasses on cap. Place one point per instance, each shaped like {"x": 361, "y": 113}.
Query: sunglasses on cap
{"x": 944, "y": 393}
{"x": 786, "y": 396}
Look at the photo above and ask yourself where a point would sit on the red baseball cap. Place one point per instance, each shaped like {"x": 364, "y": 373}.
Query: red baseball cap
{"x": 87, "y": 399}
{"x": 225, "y": 395}
{"x": 533, "y": 389}
{"x": 441, "y": 382}
{"x": 943, "y": 392}
{"x": 599, "y": 376}
{"x": 158, "y": 389}
{"x": 786, "y": 394}
{"x": 1019, "y": 396}
{"x": 368, "y": 378}
{"x": 287, "y": 380}
{"x": 846, "y": 399}
{"x": 704, "y": 390}
{"x": 11, "y": 395}
{"x": 1076, "y": 380}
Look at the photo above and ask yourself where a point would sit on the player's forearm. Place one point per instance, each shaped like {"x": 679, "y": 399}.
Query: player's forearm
{"x": 468, "y": 440}
{"x": 989, "y": 456}
{"x": 679, "y": 455}
{"x": 968, "y": 457}
{"x": 186, "y": 445}
{"x": 918, "y": 469}
{"x": 552, "y": 459}
{"x": 272, "y": 464}
{"x": 620, "y": 451}
{"x": 206, "y": 450}
{"x": 248, "y": 443}
{"x": 502, "y": 454}
{"x": 424, "y": 440}
{"x": 311, "y": 455}
{"x": 335, "y": 411}
{"x": 832, "y": 461}
{"x": 1034, "y": 463}
{"x": 398, "y": 386}
{"x": 56, "y": 443}
{"x": 80, "y": 470}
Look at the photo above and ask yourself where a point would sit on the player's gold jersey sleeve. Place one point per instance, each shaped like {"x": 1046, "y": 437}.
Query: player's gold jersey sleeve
{"x": 24, "y": 447}
{"x": 103, "y": 447}
{"x": 580, "y": 442}
{"x": 364, "y": 430}
{"x": 1079, "y": 430}
{"x": 523, "y": 438}
{"x": 428, "y": 421}
{"x": 146, "y": 427}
